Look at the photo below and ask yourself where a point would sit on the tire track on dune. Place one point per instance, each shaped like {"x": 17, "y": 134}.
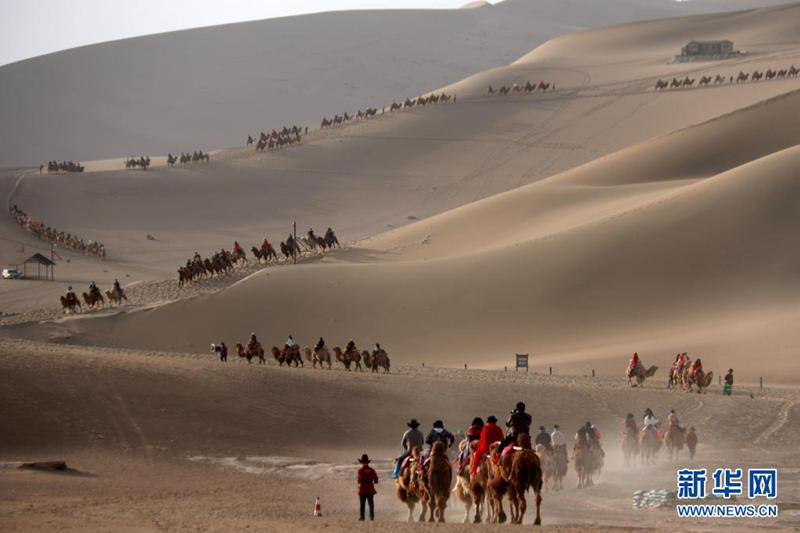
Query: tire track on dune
{"x": 780, "y": 421}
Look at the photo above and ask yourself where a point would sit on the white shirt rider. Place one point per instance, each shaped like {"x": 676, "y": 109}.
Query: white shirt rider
{"x": 290, "y": 342}
{"x": 650, "y": 421}
{"x": 558, "y": 438}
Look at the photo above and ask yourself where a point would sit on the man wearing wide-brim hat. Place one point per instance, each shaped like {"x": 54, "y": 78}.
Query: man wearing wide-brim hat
{"x": 412, "y": 437}
{"x": 367, "y": 478}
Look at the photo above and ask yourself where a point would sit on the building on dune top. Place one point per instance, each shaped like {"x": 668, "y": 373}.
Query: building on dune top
{"x": 705, "y": 50}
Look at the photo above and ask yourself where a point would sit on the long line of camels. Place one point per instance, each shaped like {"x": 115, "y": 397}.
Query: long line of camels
{"x": 349, "y": 359}
{"x": 742, "y": 77}
{"x": 520, "y": 89}
{"x": 370, "y": 112}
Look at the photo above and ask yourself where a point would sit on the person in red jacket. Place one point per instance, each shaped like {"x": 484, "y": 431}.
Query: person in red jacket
{"x": 367, "y": 478}
{"x": 490, "y": 433}
{"x": 691, "y": 442}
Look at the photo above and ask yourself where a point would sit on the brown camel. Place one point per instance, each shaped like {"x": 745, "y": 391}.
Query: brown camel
{"x": 116, "y": 297}
{"x": 69, "y": 304}
{"x": 548, "y": 461}
{"x": 409, "y": 485}
{"x": 345, "y": 358}
{"x": 439, "y": 479}
{"x": 380, "y": 360}
{"x": 470, "y": 491}
{"x": 701, "y": 379}
{"x": 93, "y": 300}
{"x": 640, "y": 374}
{"x": 582, "y": 461}
{"x": 630, "y": 445}
{"x": 251, "y": 353}
{"x": 497, "y": 484}
{"x": 525, "y": 473}
{"x": 367, "y": 358}
{"x": 649, "y": 444}
{"x": 287, "y": 355}
{"x": 673, "y": 439}
{"x": 318, "y": 356}
{"x": 560, "y": 458}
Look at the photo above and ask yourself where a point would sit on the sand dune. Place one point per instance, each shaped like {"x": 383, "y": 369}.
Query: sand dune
{"x": 209, "y": 87}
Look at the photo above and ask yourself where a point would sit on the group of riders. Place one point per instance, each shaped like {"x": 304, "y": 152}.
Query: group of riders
{"x": 59, "y": 238}
{"x": 94, "y": 296}
{"x": 651, "y": 425}
{"x": 61, "y": 166}
{"x": 290, "y": 346}
{"x": 185, "y": 158}
{"x": 223, "y": 261}
{"x": 486, "y": 434}
{"x": 682, "y": 361}
{"x": 277, "y": 138}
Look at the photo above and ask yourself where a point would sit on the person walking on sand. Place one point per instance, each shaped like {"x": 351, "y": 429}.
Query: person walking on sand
{"x": 367, "y": 478}
{"x": 728, "y": 383}
{"x": 691, "y": 442}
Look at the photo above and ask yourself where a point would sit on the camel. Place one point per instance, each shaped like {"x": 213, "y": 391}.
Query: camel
{"x": 367, "y": 358}
{"x": 641, "y": 374}
{"x": 649, "y": 444}
{"x": 560, "y": 459}
{"x": 660, "y": 84}
{"x": 93, "y": 300}
{"x": 582, "y": 461}
{"x": 438, "y": 476}
{"x": 742, "y": 77}
{"x": 318, "y": 356}
{"x": 719, "y": 79}
{"x": 409, "y": 485}
{"x": 251, "y": 352}
{"x": 348, "y": 358}
{"x": 630, "y": 445}
{"x": 380, "y": 359}
{"x": 116, "y": 297}
{"x": 288, "y": 356}
{"x": 69, "y": 304}
{"x": 701, "y": 379}
{"x": 470, "y": 490}
{"x": 525, "y": 473}
{"x": 548, "y": 461}
{"x": 674, "y": 440}
{"x": 497, "y": 484}
{"x": 705, "y": 80}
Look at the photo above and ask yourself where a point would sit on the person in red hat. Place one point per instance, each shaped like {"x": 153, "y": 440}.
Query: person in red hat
{"x": 367, "y": 478}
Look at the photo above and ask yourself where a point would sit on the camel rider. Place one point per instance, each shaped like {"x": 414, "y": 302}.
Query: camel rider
{"x": 117, "y": 288}
{"x": 518, "y": 422}
{"x": 543, "y": 438}
{"x": 215, "y": 257}
{"x": 290, "y": 343}
{"x": 93, "y": 289}
{"x": 320, "y": 344}
{"x": 311, "y": 236}
{"x": 351, "y": 346}
{"x": 377, "y": 349}
{"x": 593, "y": 435}
{"x": 650, "y": 421}
{"x": 438, "y": 433}
{"x": 490, "y": 434}
{"x": 630, "y": 424}
{"x": 672, "y": 419}
{"x": 253, "y": 343}
{"x": 559, "y": 442}
{"x": 411, "y": 438}
{"x": 197, "y": 257}
{"x": 265, "y": 245}
{"x": 633, "y": 364}
{"x": 237, "y": 248}
{"x": 684, "y": 359}
{"x": 473, "y": 433}
{"x": 70, "y": 293}
{"x": 698, "y": 365}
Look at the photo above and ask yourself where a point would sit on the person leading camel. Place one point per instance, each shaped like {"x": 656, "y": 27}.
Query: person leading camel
{"x": 366, "y": 478}
{"x": 490, "y": 434}
{"x": 728, "y": 383}
{"x": 691, "y": 442}
{"x": 543, "y": 438}
{"x": 518, "y": 422}
{"x": 411, "y": 438}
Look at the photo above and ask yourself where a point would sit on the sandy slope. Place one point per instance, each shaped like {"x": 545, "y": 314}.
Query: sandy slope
{"x": 162, "y": 441}
{"x": 209, "y": 87}
{"x": 650, "y": 248}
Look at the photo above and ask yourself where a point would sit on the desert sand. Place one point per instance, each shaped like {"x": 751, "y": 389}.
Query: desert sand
{"x": 578, "y": 225}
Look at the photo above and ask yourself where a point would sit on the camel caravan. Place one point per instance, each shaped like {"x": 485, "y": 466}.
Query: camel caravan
{"x": 70, "y": 303}
{"x": 320, "y": 356}
{"x": 647, "y": 442}
{"x": 143, "y": 162}
{"x": 277, "y": 138}
{"x": 742, "y": 77}
{"x": 520, "y": 89}
{"x": 62, "y": 166}
{"x": 682, "y": 373}
{"x": 370, "y": 112}
{"x": 61, "y": 239}
{"x": 224, "y": 262}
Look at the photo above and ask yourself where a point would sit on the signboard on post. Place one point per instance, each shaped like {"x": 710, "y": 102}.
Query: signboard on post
{"x": 522, "y": 361}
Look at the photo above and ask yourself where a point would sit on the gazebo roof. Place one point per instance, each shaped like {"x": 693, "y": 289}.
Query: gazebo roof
{"x": 36, "y": 258}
